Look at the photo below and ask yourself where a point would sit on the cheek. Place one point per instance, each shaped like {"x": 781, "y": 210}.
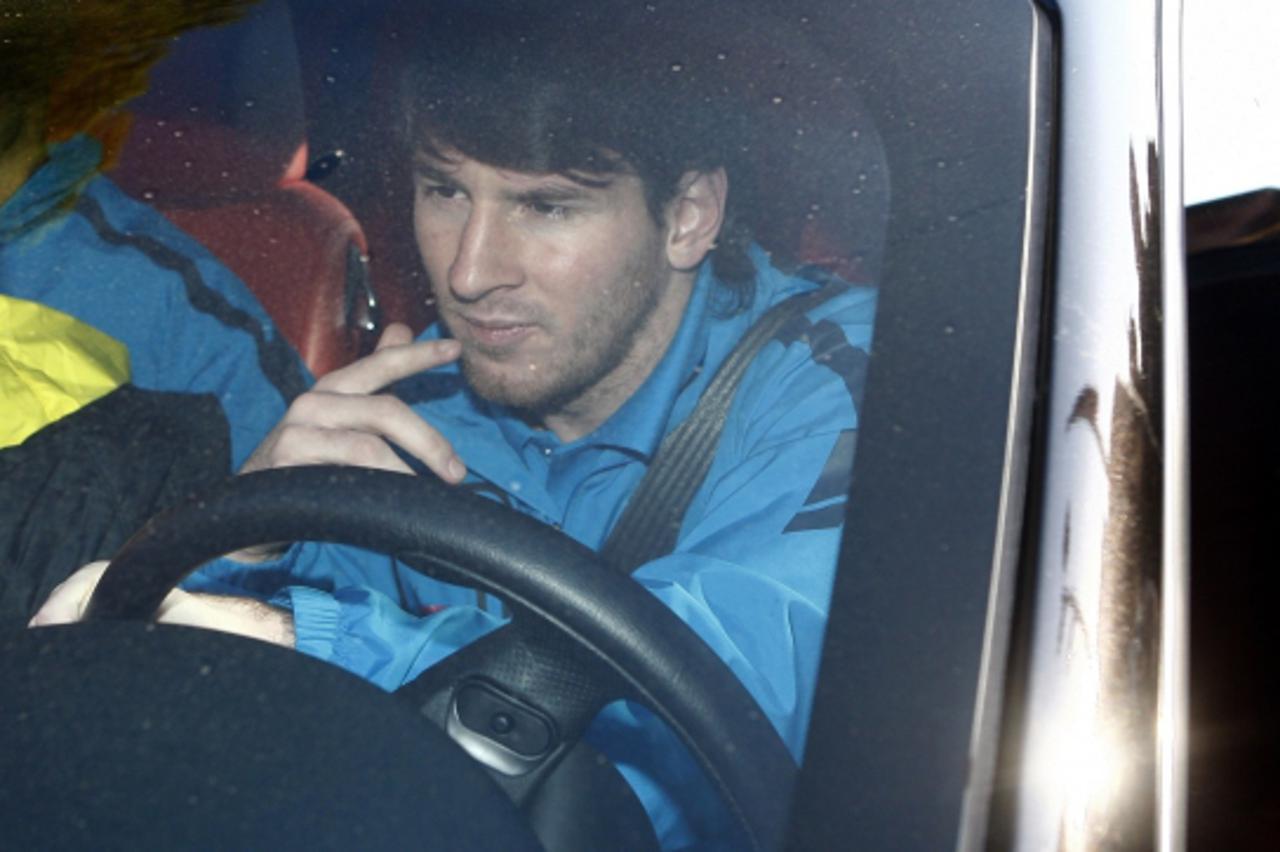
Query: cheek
{"x": 437, "y": 244}
{"x": 593, "y": 264}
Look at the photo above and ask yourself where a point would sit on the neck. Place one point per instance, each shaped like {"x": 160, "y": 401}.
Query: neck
{"x": 22, "y": 154}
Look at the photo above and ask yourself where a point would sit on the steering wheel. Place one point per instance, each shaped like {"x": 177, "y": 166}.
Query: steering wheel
{"x": 581, "y": 635}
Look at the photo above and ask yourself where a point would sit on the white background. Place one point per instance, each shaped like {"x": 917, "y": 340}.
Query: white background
{"x": 1231, "y": 96}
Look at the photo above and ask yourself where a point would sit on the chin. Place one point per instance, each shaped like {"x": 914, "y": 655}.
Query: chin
{"x": 507, "y": 384}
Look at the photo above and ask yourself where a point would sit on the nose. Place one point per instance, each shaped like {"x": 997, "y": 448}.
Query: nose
{"x": 486, "y": 259}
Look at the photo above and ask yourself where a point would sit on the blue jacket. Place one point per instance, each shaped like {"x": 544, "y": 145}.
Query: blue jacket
{"x": 751, "y": 573}
{"x": 70, "y": 239}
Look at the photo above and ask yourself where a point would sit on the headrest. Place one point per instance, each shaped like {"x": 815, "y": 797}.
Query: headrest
{"x": 224, "y": 116}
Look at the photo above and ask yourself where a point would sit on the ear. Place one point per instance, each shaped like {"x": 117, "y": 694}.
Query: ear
{"x": 694, "y": 217}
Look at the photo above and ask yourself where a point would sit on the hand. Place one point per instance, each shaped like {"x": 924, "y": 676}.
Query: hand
{"x": 242, "y": 616}
{"x": 343, "y": 419}
{"x": 67, "y": 602}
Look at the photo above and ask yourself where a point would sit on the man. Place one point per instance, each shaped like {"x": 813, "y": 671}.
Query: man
{"x": 588, "y": 251}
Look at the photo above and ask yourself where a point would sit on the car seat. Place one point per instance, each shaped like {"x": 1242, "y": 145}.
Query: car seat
{"x": 817, "y": 185}
{"x": 219, "y": 147}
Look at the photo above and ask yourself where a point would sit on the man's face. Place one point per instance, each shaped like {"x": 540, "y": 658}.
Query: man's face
{"x": 559, "y": 292}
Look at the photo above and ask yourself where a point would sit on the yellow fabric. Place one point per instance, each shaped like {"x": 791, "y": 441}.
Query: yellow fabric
{"x": 51, "y": 365}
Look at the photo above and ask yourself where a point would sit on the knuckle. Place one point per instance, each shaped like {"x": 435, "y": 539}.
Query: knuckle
{"x": 290, "y": 439}
{"x": 385, "y": 406}
{"x": 364, "y": 450}
{"x": 305, "y": 407}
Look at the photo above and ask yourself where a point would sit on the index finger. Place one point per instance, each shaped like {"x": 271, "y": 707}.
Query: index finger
{"x": 388, "y": 365}
{"x": 395, "y": 334}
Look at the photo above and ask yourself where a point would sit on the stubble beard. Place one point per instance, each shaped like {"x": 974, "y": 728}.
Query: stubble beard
{"x": 593, "y": 355}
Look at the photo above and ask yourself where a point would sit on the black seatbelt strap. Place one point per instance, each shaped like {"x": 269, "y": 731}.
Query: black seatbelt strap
{"x": 651, "y": 522}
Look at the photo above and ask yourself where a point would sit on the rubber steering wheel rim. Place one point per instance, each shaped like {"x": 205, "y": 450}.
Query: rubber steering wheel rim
{"x": 477, "y": 542}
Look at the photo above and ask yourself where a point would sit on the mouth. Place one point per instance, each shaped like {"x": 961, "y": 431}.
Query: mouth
{"x": 493, "y": 333}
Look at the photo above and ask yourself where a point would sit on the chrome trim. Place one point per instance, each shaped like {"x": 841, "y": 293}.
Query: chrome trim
{"x": 1091, "y": 768}
{"x": 1175, "y": 647}
{"x": 1013, "y": 512}
{"x": 491, "y": 753}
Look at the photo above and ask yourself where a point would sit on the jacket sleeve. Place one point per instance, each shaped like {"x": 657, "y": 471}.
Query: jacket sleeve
{"x": 356, "y": 609}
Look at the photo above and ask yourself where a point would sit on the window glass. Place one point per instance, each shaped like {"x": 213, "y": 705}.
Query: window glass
{"x": 515, "y": 246}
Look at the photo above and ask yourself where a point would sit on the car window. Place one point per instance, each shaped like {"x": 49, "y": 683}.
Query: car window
{"x": 252, "y": 212}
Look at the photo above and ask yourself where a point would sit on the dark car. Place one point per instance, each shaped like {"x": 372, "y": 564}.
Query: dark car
{"x": 1008, "y": 661}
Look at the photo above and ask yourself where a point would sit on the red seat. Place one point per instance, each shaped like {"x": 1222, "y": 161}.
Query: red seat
{"x": 218, "y": 146}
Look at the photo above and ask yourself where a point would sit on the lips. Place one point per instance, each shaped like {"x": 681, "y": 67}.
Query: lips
{"x": 494, "y": 332}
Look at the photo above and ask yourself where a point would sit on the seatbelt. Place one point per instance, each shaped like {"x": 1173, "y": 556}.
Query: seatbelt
{"x": 651, "y": 521}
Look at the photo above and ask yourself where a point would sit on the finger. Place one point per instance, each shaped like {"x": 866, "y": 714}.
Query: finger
{"x": 309, "y": 445}
{"x": 396, "y": 334}
{"x": 390, "y": 364}
{"x": 67, "y": 602}
{"x": 347, "y": 423}
{"x": 329, "y": 428}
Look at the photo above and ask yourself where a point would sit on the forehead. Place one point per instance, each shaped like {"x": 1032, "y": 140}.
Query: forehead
{"x": 456, "y": 167}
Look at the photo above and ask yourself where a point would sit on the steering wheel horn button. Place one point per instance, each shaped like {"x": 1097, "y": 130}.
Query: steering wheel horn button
{"x": 498, "y": 730}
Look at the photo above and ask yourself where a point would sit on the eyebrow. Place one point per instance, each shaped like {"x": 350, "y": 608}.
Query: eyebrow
{"x": 575, "y": 188}
{"x": 424, "y": 169}
{"x": 555, "y": 194}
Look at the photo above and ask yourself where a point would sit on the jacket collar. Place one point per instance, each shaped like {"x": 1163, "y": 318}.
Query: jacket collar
{"x": 53, "y": 188}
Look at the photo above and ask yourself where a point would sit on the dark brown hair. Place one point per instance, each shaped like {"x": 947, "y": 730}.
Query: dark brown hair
{"x": 580, "y": 89}
{"x": 83, "y": 59}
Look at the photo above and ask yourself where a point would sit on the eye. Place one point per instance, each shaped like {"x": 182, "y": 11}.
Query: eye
{"x": 441, "y": 191}
{"x": 548, "y": 210}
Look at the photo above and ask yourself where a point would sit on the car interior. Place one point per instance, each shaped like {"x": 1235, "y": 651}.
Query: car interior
{"x": 920, "y": 159}
{"x": 1232, "y": 272}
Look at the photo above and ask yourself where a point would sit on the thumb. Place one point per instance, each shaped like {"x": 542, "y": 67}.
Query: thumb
{"x": 396, "y": 334}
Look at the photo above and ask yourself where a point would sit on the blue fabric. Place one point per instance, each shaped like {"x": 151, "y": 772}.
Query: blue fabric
{"x": 54, "y": 251}
{"x": 753, "y": 568}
